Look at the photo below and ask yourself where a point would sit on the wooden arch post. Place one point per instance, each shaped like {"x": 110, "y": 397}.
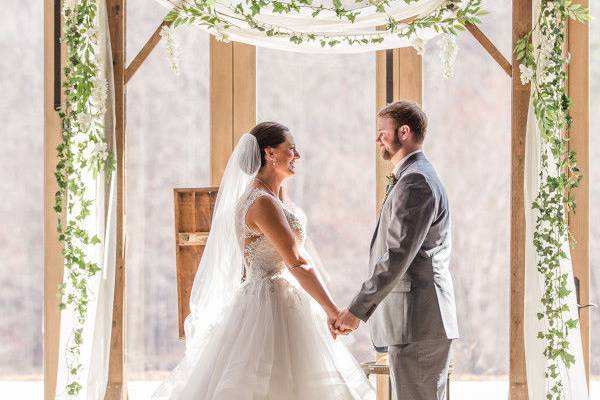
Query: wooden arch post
{"x": 232, "y": 100}
{"x": 53, "y": 259}
{"x": 117, "y": 386}
{"x": 399, "y": 76}
{"x": 579, "y": 134}
{"x": 521, "y": 24}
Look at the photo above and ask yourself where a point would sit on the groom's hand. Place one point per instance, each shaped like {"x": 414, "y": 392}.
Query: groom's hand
{"x": 346, "y": 322}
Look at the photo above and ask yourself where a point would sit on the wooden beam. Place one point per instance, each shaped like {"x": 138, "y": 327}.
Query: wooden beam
{"x": 408, "y": 75}
{"x": 53, "y": 259}
{"x": 192, "y": 239}
{"x": 382, "y": 382}
{"x": 244, "y": 89}
{"x": 407, "y": 85}
{"x": 382, "y": 167}
{"x": 221, "y": 107}
{"x": 490, "y": 48}
{"x": 137, "y": 62}
{"x": 521, "y": 24}
{"x": 117, "y": 386}
{"x": 406, "y": 69}
{"x": 232, "y": 100}
{"x": 578, "y": 88}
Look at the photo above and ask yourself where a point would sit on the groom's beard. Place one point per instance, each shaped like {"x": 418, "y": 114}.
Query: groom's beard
{"x": 388, "y": 151}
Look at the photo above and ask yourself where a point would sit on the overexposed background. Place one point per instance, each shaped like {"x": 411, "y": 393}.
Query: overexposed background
{"x": 328, "y": 102}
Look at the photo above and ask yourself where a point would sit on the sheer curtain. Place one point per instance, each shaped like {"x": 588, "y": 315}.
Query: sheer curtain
{"x": 574, "y": 379}
{"x": 326, "y": 23}
{"x": 102, "y": 222}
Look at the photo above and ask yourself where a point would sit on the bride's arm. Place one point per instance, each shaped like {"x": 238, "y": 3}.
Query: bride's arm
{"x": 269, "y": 218}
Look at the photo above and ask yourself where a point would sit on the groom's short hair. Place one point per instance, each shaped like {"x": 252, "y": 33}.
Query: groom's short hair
{"x": 407, "y": 113}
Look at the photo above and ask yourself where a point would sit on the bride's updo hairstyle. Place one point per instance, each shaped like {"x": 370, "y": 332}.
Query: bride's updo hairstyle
{"x": 268, "y": 134}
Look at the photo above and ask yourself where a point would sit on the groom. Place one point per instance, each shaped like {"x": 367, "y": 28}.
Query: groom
{"x": 409, "y": 299}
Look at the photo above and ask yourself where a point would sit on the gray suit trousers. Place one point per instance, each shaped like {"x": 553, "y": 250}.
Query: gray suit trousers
{"x": 419, "y": 370}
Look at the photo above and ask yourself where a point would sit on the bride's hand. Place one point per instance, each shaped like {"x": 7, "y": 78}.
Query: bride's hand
{"x": 331, "y": 318}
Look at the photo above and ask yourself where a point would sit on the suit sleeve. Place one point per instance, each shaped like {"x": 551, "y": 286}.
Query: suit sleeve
{"x": 413, "y": 212}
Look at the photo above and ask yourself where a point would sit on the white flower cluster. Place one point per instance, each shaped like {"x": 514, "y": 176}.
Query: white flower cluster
{"x": 68, "y": 5}
{"x": 219, "y": 30}
{"x": 526, "y": 73}
{"x": 85, "y": 121}
{"x": 100, "y": 151}
{"x": 545, "y": 63}
{"x": 448, "y": 52}
{"x": 167, "y": 33}
{"x": 418, "y": 44}
{"x": 100, "y": 95}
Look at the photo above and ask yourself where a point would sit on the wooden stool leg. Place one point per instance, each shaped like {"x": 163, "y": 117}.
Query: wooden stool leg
{"x": 383, "y": 381}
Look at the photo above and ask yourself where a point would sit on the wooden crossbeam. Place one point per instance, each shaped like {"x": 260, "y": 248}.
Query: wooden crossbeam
{"x": 137, "y": 62}
{"x": 192, "y": 238}
{"x": 490, "y": 48}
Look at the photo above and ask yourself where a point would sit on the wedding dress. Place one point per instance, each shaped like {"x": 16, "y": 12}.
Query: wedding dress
{"x": 270, "y": 340}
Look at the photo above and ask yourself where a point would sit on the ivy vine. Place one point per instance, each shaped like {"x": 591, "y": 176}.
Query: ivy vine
{"x": 450, "y": 18}
{"x": 543, "y": 65}
{"x": 82, "y": 150}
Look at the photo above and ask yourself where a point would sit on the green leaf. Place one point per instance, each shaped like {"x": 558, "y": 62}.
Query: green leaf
{"x": 541, "y": 335}
{"x": 571, "y": 323}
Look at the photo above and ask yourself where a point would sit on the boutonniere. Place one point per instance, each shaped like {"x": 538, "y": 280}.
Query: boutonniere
{"x": 391, "y": 180}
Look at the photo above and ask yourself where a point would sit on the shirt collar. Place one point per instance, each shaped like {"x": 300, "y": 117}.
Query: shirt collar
{"x": 401, "y": 162}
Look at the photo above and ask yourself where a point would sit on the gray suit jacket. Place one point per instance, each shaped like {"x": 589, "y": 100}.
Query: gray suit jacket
{"x": 409, "y": 296}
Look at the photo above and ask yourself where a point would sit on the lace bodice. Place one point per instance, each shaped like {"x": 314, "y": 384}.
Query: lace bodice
{"x": 261, "y": 259}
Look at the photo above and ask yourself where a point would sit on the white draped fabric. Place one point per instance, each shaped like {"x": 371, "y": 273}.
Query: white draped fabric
{"x": 102, "y": 222}
{"x": 326, "y": 23}
{"x": 574, "y": 379}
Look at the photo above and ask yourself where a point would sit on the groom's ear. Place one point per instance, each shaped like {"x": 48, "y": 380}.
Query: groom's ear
{"x": 403, "y": 133}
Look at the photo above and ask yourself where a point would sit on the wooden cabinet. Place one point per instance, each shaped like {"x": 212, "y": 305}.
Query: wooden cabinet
{"x": 193, "y": 217}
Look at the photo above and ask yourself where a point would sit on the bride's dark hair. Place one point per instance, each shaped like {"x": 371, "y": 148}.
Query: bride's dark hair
{"x": 268, "y": 134}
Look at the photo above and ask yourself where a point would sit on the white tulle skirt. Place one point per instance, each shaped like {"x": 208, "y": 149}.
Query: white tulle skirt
{"x": 271, "y": 344}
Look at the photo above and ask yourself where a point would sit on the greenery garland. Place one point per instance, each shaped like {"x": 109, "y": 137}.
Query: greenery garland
{"x": 449, "y": 18}
{"x": 543, "y": 65}
{"x": 82, "y": 150}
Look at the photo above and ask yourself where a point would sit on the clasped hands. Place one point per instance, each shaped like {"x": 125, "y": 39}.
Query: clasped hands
{"x": 342, "y": 323}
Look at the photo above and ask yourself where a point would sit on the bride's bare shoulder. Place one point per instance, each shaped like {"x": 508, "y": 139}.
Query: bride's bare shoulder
{"x": 265, "y": 208}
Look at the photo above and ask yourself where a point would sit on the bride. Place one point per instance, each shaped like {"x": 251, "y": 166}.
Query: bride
{"x": 257, "y": 329}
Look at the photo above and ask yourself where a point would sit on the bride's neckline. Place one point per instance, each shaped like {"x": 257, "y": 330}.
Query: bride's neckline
{"x": 270, "y": 193}
{"x": 265, "y": 186}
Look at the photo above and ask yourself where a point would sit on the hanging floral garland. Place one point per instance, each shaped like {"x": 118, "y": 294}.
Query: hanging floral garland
{"x": 543, "y": 65}
{"x": 449, "y": 18}
{"x": 82, "y": 150}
